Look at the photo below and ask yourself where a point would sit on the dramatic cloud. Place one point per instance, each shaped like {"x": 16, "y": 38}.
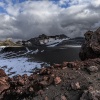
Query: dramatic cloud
{"x": 34, "y": 17}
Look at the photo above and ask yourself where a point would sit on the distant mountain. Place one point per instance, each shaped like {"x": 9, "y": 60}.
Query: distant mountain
{"x": 44, "y": 40}
{"x": 73, "y": 41}
{"x": 52, "y": 41}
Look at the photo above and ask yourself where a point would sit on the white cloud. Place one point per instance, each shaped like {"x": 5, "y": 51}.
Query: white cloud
{"x": 96, "y": 3}
{"x": 1, "y": 4}
{"x": 63, "y": 2}
{"x": 31, "y": 18}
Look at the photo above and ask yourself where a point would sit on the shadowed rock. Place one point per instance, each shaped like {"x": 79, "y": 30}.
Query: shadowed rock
{"x": 91, "y": 47}
{"x": 91, "y": 94}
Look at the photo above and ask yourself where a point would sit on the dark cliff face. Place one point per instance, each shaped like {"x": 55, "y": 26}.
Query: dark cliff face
{"x": 91, "y": 47}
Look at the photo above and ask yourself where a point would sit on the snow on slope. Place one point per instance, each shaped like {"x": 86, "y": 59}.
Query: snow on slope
{"x": 14, "y": 64}
{"x": 53, "y": 43}
{"x": 18, "y": 66}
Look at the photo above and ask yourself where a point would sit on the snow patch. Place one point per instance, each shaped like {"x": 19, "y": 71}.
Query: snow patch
{"x": 18, "y": 66}
{"x": 53, "y": 43}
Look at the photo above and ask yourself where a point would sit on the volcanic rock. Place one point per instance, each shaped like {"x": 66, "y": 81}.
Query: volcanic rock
{"x": 93, "y": 68}
{"x": 40, "y": 92}
{"x": 4, "y": 84}
{"x": 44, "y": 83}
{"x": 57, "y": 80}
{"x": 64, "y": 64}
{"x": 91, "y": 47}
{"x": 2, "y": 73}
{"x": 91, "y": 94}
{"x": 75, "y": 86}
{"x": 46, "y": 98}
{"x": 44, "y": 71}
{"x": 63, "y": 97}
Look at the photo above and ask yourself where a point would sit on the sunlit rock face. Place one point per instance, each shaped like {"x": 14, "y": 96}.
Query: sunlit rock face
{"x": 91, "y": 47}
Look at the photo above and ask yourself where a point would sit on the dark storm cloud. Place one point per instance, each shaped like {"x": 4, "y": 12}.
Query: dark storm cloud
{"x": 28, "y": 19}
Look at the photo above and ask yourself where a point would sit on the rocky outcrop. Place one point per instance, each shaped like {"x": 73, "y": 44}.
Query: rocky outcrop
{"x": 91, "y": 47}
{"x": 4, "y": 85}
{"x": 91, "y": 94}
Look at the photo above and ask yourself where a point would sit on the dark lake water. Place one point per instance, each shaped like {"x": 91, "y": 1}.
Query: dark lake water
{"x": 50, "y": 55}
{"x": 59, "y": 54}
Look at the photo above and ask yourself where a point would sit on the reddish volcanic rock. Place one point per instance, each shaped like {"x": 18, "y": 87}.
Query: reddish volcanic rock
{"x": 4, "y": 85}
{"x": 60, "y": 84}
{"x": 2, "y": 73}
{"x": 63, "y": 97}
{"x": 46, "y": 98}
{"x": 75, "y": 86}
{"x": 57, "y": 80}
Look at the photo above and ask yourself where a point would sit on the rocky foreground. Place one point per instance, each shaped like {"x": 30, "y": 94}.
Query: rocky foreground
{"x": 78, "y": 80}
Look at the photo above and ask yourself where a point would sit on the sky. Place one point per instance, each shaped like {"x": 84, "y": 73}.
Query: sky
{"x": 24, "y": 19}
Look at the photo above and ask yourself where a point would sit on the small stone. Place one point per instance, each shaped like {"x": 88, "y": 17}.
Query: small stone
{"x": 31, "y": 89}
{"x": 71, "y": 64}
{"x": 45, "y": 78}
{"x": 48, "y": 72}
{"x": 43, "y": 71}
{"x": 63, "y": 97}
{"x": 93, "y": 68}
{"x": 64, "y": 68}
{"x": 40, "y": 92}
{"x": 52, "y": 75}
{"x": 46, "y": 98}
{"x": 44, "y": 83}
{"x": 18, "y": 91}
{"x": 57, "y": 80}
{"x": 64, "y": 64}
{"x": 25, "y": 76}
{"x": 21, "y": 81}
{"x": 50, "y": 81}
{"x": 75, "y": 86}
{"x": 90, "y": 88}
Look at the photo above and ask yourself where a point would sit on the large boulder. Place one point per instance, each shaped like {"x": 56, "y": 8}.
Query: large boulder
{"x": 91, "y": 47}
{"x": 3, "y": 81}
